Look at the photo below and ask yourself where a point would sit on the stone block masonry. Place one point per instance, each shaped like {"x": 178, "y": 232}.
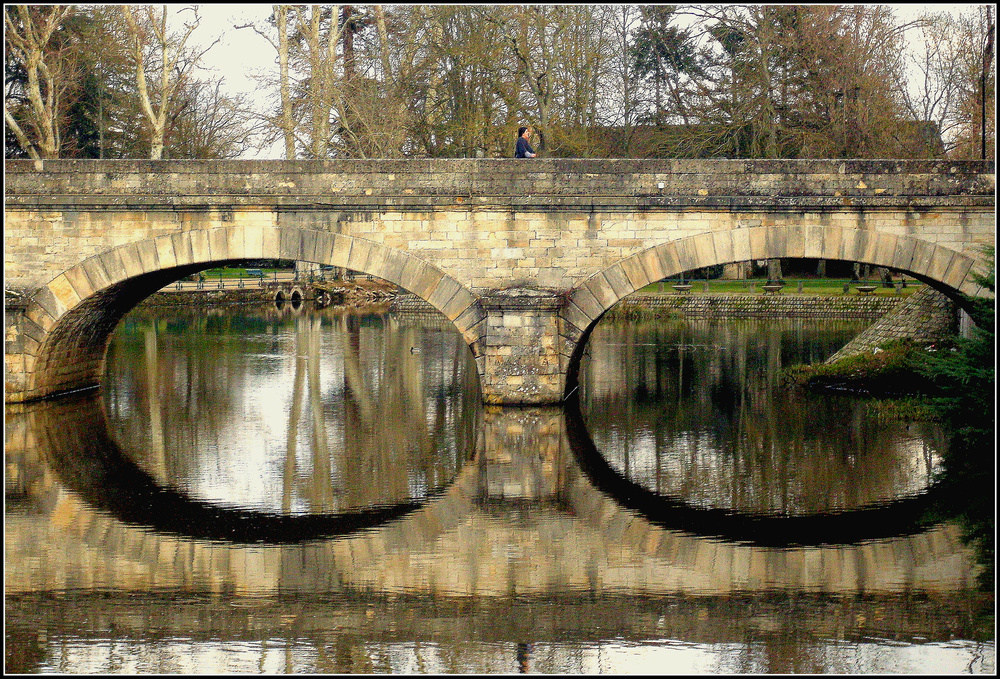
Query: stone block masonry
{"x": 766, "y": 306}
{"x": 493, "y": 223}
{"x": 926, "y": 316}
{"x": 522, "y": 362}
{"x": 86, "y": 240}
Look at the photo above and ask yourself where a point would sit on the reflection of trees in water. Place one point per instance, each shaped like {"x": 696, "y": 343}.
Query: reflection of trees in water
{"x": 173, "y": 375}
{"x": 385, "y": 414}
{"x": 696, "y": 410}
{"x": 375, "y": 409}
{"x": 733, "y": 635}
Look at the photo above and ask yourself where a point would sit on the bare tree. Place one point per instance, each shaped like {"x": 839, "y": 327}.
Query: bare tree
{"x": 208, "y": 123}
{"x": 284, "y": 122}
{"x": 935, "y": 94}
{"x": 979, "y": 31}
{"x": 477, "y": 99}
{"x": 321, "y": 55}
{"x": 29, "y": 30}
{"x": 786, "y": 81}
{"x": 956, "y": 80}
{"x": 989, "y": 25}
{"x": 704, "y": 80}
{"x": 535, "y": 32}
{"x": 316, "y": 63}
{"x": 166, "y": 58}
{"x": 620, "y": 101}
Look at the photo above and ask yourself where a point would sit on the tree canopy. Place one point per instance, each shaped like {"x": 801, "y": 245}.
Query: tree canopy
{"x": 747, "y": 81}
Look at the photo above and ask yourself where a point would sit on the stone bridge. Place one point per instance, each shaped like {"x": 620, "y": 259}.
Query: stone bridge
{"x": 523, "y": 256}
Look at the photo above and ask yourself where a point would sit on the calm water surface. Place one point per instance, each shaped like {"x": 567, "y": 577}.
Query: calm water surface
{"x": 265, "y": 490}
{"x": 695, "y": 409}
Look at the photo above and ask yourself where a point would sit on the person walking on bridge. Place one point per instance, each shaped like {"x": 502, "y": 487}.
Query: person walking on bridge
{"x": 523, "y": 149}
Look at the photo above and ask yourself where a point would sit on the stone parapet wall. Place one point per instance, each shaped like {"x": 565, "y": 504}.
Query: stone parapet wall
{"x": 555, "y": 181}
{"x": 492, "y": 223}
{"x": 766, "y": 305}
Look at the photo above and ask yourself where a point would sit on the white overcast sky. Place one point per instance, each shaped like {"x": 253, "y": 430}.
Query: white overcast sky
{"x": 241, "y": 53}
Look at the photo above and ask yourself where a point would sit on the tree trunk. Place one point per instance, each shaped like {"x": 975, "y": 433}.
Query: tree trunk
{"x": 431, "y": 114}
{"x": 41, "y": 69}
{"x": 987, "y": 61}
{"x": 348, "y": 43}
{"x": 774, "y": 270}
{"x": 170, "y": 52}
{"x": 287, "y": 124}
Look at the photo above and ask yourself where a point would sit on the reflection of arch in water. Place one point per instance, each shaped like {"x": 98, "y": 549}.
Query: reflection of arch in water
{"x": 694, "y": 408}
{"x": 897, "y": 518}
{"x": 451, "y": 547}
{"x": 88, "y": 461}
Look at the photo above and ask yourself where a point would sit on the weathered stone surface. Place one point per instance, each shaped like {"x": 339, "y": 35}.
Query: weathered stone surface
{"x": 767, "y": 306}
{"x": 926, "y": 316}
{"x": 522, "y": 363}
{"x": 463, "y": 233}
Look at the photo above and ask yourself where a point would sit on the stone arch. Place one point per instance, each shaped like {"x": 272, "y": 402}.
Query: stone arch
{"x": 946, "y": 269}
{"x": 68, "y": 321}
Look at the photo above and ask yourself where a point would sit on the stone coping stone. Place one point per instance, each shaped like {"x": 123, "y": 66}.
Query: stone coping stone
{"x": 543, "y": 184}
{"x": 587, "y": 165}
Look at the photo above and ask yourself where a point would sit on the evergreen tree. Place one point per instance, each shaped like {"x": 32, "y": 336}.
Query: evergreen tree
{"x": 965, "y": 382}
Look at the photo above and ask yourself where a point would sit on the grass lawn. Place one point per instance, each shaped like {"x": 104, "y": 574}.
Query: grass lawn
{"x": 238, "y": 272}
{"x": 814, "y": 286}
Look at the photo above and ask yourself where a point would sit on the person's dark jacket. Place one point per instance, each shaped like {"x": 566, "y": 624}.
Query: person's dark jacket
{"x": 523, "y": 148}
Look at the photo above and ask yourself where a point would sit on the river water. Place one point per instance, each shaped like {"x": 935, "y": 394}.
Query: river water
{"x": 263, "y": 489}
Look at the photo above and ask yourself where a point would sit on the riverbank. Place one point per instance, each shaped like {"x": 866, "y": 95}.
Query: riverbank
{"x": 357, "y": 292}
{"x": 888, "y": 371}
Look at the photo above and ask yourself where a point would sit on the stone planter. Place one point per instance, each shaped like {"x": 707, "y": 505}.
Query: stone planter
{"x": 773, "y": 287}
{"x": 682, "y": 287}
{"x": 866, "y": 289}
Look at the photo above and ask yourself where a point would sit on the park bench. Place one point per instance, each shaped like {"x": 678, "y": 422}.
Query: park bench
{"x": 254, "y": 273}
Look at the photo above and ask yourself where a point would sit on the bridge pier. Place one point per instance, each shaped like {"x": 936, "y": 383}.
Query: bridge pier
{"x": 522, "y": 362}
{"x": 523, "y": 455}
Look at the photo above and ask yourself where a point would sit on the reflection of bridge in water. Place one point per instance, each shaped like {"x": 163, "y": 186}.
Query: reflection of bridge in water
{"x": 473, "y": 539}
